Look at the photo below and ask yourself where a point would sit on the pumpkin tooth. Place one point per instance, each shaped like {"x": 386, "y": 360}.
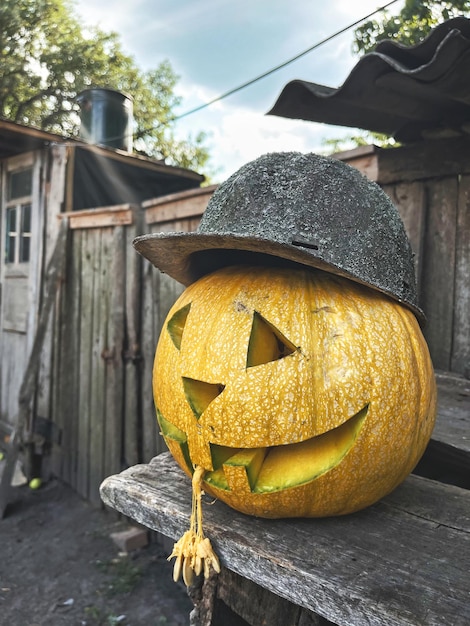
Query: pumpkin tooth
{"x": 241, "y": 469}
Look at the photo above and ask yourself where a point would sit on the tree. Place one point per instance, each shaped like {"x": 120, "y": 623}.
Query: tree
{"x": 47, "y": 57}
{"x": 410, "y": 26}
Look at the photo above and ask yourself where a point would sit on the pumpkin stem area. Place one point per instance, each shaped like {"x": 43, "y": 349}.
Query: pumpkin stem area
{"x": 193, "y": 552}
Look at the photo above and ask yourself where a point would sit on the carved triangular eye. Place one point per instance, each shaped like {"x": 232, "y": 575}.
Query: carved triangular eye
{"x": 176, "y": 324}
{"x": 266, "y": 343}
{"x": 200, "y": 394}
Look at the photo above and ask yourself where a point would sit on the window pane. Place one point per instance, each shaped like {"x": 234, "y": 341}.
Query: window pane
{"x": 10, "y": 236}
{"x": 26, "y": 218}
{"x": 11, "y": 220}
{"x": 10, "y": 249}
{"x": 20, "y": 183}
{"x": 24, "y": 248}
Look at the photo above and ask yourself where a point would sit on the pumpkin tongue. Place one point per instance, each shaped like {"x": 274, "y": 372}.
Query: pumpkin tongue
{"x": 194, "y": 552}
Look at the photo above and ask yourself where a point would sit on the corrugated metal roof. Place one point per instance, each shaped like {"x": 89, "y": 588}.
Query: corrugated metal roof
{"x": 410, "y": 93}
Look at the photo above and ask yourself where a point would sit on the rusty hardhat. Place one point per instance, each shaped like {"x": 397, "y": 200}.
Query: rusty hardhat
{"x": 292, "y": 207}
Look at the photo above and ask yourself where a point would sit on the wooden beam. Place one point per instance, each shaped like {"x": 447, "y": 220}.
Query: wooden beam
{"x": 178, "y": 206}
{"x": 117, "y": 215}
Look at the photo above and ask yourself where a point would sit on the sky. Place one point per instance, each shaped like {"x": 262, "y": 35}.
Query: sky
{"x": 217, "y": 45}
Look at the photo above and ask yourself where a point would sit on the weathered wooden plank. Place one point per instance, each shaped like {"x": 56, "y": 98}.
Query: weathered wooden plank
{"x": 178, "y": 206}
{"x": 460, "y": 361}
{"x": 112, "y": 354}
{"x": 169, "y": 289}
{"x": 90, "y": 254}
{"x": 424, "y": 160}
{"x": 398, "y": 562}
{"x": 410, "y": 200}
{"x": 364, "y": 158}
{"x": 453, "y": 421}
{"x": 152, "y": 441}
{"x": 102, "y": 217}
{"x": 54, "y": 273}
{"x": 447, "y": 456}
{"x": 97, "y": 372}
{"x": 132, "y": 410}
{"x": 159, "y": 292}
{"x": 253, "y": 603}
{"x": 51, "y": 209}
{"x": 437, "y": 292}
{"x": 66, "y": 373}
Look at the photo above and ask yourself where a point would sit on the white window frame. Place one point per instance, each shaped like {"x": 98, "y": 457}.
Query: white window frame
{"x": 18, "y": 205}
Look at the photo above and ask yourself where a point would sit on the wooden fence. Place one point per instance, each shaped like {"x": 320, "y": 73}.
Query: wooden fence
{"x": 112, "y": 304}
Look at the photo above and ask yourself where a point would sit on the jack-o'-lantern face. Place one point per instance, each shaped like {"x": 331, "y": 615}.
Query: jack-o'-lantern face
{"x": 300, "y": 393}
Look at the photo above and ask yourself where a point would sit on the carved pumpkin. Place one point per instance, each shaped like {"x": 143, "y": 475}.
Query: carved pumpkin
{"x": 298, "y": 393}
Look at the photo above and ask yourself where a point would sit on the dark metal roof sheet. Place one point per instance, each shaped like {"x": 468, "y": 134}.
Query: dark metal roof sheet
{"x": 410, "y": 93}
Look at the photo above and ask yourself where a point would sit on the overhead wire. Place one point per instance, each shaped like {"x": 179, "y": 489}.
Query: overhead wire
{"x": 248, "y": 83}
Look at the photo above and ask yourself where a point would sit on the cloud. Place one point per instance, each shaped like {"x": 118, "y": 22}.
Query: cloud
{"x": 240, "y": 135}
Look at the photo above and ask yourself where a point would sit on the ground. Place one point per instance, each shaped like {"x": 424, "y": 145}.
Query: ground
{"x": 60, "y": 567}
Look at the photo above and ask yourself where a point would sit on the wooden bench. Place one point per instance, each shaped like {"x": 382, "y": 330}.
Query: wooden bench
{"x": 405, "y": 560}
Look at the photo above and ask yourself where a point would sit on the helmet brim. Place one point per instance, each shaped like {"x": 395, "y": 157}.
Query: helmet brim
{"x": 186, "y": 257}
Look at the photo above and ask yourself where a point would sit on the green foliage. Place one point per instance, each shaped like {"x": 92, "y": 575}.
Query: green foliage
{"x": 47, "y": 57}
{"x": 410, "y": 26}
{"x": 363, "y": 138}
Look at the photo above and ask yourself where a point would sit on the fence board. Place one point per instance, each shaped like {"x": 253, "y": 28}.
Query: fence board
{"x": 152, "y": 441}
{"x": 410, "y": 200}
{"x": 132, "y": 411}
{"x": 97, "y": 374}
{"x": 89, "y": 256}
{"x": 114, "y": 391}
{"x": 437, "y": 295}
{"x": 67, "y": 342}
{"x": 460, "y": 361}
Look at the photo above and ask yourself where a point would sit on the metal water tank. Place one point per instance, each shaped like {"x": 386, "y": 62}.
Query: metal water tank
{"x": 106, "y": 118}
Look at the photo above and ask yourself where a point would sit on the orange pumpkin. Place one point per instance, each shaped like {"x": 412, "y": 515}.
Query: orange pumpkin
{"x": 298, "y": 393}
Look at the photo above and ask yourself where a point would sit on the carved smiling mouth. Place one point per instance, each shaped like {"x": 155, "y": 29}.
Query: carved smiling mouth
{"x": 264, "y": 470}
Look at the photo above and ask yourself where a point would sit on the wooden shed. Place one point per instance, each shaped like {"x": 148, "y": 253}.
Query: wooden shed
{"x": 69, "y": 211}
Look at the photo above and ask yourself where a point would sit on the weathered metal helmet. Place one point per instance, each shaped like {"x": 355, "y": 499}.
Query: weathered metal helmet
{"x": 288, "y": 208}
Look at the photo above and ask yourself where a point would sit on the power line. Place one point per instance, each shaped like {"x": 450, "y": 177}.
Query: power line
{"x": 248, "y": 83}
{"x": 279, "y": 67}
